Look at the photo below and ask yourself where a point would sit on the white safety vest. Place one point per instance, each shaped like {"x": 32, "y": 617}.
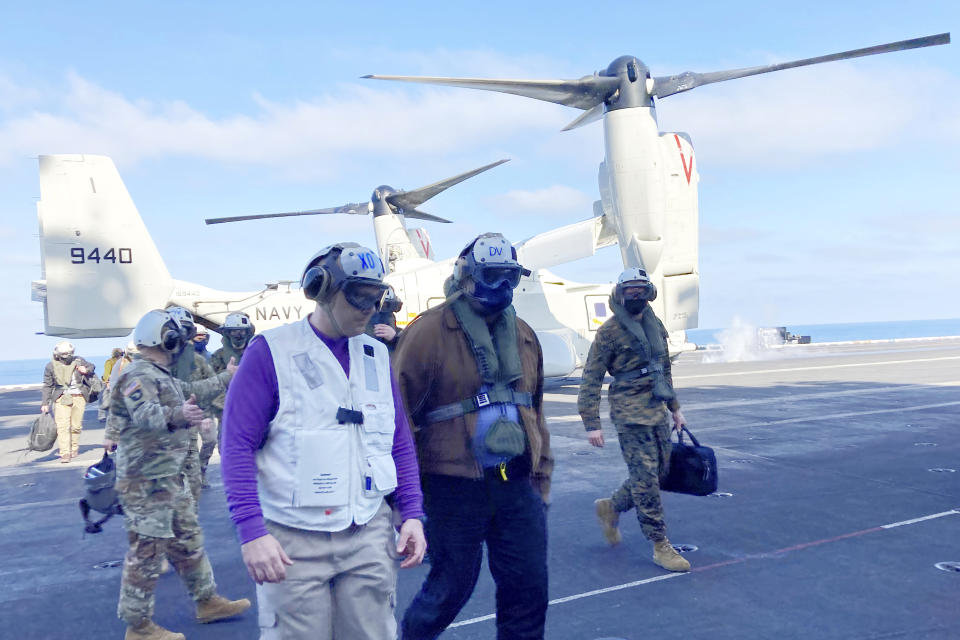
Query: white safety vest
{"x": 313, "y": 472}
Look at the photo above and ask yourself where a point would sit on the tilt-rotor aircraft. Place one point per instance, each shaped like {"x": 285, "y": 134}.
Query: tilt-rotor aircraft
{"x": 102, "y": 270}
{"x": 648, "y": 181}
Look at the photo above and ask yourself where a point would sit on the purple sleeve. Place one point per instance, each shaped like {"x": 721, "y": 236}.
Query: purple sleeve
{"x": 252, "y": 403}
{"x": 408, "y": 497}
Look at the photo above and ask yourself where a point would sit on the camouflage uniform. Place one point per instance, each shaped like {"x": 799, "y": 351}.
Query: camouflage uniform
{"x": 153, "y": 439}
{"x": 218, "y": 361}
{"x": 641, "y": 421}
{"x": 200, "y": 370}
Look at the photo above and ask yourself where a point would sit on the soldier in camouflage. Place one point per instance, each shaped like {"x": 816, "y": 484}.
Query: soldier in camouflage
{"x": 632, "y": 346}
{"x": 191, "y": 366}
{"x": 237, "y": 331}
{"x": 150, "y": 425}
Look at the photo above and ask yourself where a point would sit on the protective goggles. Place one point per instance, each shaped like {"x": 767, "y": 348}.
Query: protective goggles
{"x": 364, "y": 295}
{"x": 188, "y": 330}
{"x": 637, "y": 290}
{"x": 494, "y": 276}
{"x": 236, "y": 334}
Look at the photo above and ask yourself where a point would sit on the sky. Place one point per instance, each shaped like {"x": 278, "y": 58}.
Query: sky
{"x": 827, "y": 194}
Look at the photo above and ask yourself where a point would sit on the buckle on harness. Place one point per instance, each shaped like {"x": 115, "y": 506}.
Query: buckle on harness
{"x": 349, "y": 416}
{"x": 481, "y": 400}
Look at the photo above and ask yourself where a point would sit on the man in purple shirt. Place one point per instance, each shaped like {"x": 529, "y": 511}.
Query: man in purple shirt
{"x": 316, "y": 447}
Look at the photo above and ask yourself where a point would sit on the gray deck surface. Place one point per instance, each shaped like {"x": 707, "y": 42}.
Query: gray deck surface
{"x": 820, "y": 446}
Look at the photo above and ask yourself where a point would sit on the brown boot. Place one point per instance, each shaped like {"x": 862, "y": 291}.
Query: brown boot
{"x": 667, "y": 557}
{"x": 219, "y": 608}
{"x": 609, "y": 520}
{"x": 150, "y": 631}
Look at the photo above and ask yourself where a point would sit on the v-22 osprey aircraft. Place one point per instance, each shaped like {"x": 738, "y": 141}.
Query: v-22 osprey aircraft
{"x": 102, "y": 270}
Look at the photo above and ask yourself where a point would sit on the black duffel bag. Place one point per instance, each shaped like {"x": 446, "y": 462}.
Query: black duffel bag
{"x": 693, "y": 468}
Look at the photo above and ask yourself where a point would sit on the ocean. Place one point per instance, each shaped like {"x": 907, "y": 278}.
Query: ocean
{"x": 13, "y": 372}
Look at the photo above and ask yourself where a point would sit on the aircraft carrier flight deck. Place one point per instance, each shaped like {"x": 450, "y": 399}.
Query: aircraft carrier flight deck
{"x": 837, "y": 515}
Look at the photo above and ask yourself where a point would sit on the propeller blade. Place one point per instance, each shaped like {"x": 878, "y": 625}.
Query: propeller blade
{"x": 668, "y": 85}
{"x": 357, "y": 208}
{"x": 423, "y": 215}
{"x": 588, "y": 116}
{"x": 410, "y": 200}
{"x": 583, "y": 93}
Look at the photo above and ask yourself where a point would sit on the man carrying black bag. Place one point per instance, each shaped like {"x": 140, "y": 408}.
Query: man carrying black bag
{"x": 632, "y": 346}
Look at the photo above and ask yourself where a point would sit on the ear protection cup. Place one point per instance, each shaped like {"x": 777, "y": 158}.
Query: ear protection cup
{"x": 316, "y": 283}
{"x": 170, "y": 340}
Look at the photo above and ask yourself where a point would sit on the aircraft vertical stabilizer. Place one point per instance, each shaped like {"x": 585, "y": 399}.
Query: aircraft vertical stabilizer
{"x": 101, "y": 267}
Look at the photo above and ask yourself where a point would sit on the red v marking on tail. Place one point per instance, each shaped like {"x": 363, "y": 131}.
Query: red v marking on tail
{"x": 686, "y": 170}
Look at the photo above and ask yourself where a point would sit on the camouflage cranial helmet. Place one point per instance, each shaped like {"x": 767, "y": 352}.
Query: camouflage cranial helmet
{"x": 634, "y": 284}
{"x": 238, "y": 329}
{"x": 185, "y": 318}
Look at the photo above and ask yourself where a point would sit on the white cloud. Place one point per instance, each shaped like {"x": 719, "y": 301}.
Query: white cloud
{"x": 795, "y": 116}
{"x": 358, "y": 120}
{"x": 557, "y": 198}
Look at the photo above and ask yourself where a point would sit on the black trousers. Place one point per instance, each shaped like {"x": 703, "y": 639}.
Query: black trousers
{"x": 462, "y": 515}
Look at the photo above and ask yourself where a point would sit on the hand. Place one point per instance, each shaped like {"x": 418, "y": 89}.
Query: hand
{"x": 232, "y": 365}
{"x": 412, "y": 543}
{"x": 265, "y": 559}
{"x": 83, "y": 370}
{"x": 678, "y": 420}
{"x": 109, "y": 445}
{"x": 191, "y": 412}
{"x": 595, "y": 437}
{"x": 44, "y": 409}
{"x": 384, "y": 331}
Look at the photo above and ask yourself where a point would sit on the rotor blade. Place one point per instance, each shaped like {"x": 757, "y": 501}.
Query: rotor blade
{"x": 423, "y": 215}
{"x": 410, "y": 200}
{"x": 583, "y": 93}
{"x": 668, "y": 85}
{"x": 357, "y": 208}
{"x": 588, "y": 116}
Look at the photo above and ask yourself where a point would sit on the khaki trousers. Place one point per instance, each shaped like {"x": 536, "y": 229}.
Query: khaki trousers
{"x": 69, "y": 420}
{"x": 341, "y": 586}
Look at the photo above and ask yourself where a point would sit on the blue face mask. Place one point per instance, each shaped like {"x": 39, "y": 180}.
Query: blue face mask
{"x": 492, "y": 300}
{"x": 200, "y": 347}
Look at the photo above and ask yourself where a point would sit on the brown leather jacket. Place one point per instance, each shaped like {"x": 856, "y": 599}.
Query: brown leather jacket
{"x": 435, "y": 367}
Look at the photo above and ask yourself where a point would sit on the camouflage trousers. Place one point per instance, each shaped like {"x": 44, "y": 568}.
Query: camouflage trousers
{"x": 161, "y": 520}
{"x": 191, "y": 468}
{"x": 646, "y": 450}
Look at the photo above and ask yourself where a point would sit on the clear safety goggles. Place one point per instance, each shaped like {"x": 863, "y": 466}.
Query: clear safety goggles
{"x": 494, "y": 276}
{"x": 236, "y": 333}
{"x": 364, "y": 295}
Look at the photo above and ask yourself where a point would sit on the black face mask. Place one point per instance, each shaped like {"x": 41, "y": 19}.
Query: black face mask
{"x": 634, "y": 306}
{"x": 65, "y": 359}
{"x": 495, "y": 300}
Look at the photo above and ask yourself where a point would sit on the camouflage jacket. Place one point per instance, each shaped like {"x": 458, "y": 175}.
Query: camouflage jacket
{"x": 146, "y": 419}
{"x": 631, "y": 401}
{"x": 219, "y": 360}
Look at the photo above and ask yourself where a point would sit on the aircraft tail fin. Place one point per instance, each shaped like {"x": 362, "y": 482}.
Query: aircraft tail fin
{"x": 101, "y": 268}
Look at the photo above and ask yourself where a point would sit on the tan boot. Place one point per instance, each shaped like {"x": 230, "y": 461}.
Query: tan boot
{"x": 609, "y": 520}
{"x": 219, "y": 608}
{"x": 667, "y": 557}
{"x": 151, "y": 631}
